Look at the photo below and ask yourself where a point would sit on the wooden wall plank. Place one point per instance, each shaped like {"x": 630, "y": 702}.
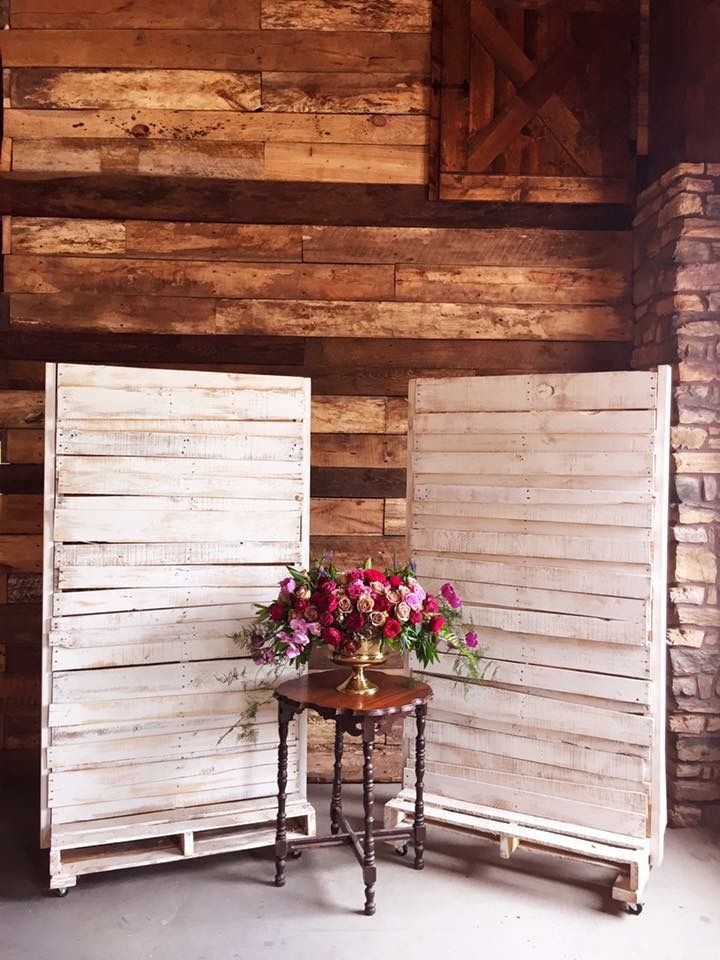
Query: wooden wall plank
{"x": 135, "y": 14}
{"x": 226, "y": 125}
{"x": 357, "y": 163}
{"x": 375, "y": 93}
{"x": 401, "y": 15}
{"x": 192, "y": 49}
{"x": 134, "y": 89}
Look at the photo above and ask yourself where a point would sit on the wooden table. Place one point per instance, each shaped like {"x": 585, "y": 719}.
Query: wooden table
{"x": 360, "y": 716}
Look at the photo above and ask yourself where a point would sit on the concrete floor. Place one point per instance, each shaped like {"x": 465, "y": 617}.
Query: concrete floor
{"x": 466, "y": 903}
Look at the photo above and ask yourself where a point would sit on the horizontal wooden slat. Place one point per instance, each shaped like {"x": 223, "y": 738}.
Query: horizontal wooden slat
{"x": 376, "y": 93}
{"x": 353, "y": 414}
{"x": 345, "y": 517}
{"x": 127, "y": 443}
{"x": 132, "y": 14}
{"x": 218, "y": 50}
{"x": 119, "y": 378}
{"x": 174, "y": 526}
{"x": 518, "y": 544}
{"x": 595, "y": 391}
{"x": 489, "y": 247}
{"x": 541, "y": 713}
{"x": 400, "y": 15}
{"x": 235, "y": 479}
{"x": 510, "y": 796}
{"x": 223, "y": 125}
{"x": 558, "y": 601}
{"x": 122, "y": 89}
{"x": 351, "y": 163}
{"x": 468, "y": 284}
{"x": 589, "y": 577}
{"x": 512, "y": 443}
{"x": 612, "y": 514}
{"x": 194, "y": 158}
{"x": 619, "y": 464}
{"x": 53, "y": 235}
{"x": 415, "y": 321}
{"x": 20, "y": 513}
{"x": 196, "y": 278}
{"x": 533, "y": 677}
{"x": 534, "y": 189}
{"x": 529, "y": 423}
{"x": 360, "y": 450}
{"x": 21, "y": 408}
{"x": 71, "y": 603}
{"x": 131, "y": 554}
{"x": 582, "y": 760}
{"x": 216, "y": 575}
{"x": 162, "y": 402}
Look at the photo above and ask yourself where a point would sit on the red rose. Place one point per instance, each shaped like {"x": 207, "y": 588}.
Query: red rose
{"x": 396, "y": 581}
{"x": 371, "y": 575}
{"x": 381, "y": 603}
{"x": 327, "y": 586}
{"x": 277, "y": 611}
{"x": 355, "y": 621}
{"x": 415, "y": 616}
{"x": 326, "y": 602}
{"x": 392, "y": 628}
{"x": 301, "y": 605}
{"x": 431, "y": 604}
{"x": 436, "y": 624}
{"x": 332, "y": 636}
{"x": 326, "y": 619}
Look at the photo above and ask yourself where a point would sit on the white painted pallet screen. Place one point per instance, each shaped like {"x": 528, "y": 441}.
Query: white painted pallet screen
{"x": 174, "y": 499}
{"x": 544, "y": 499}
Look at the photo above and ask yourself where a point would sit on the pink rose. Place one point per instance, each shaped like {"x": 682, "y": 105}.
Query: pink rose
{"x": 471, "y": 639}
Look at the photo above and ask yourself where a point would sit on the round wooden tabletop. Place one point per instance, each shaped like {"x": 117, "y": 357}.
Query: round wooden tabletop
{"x": 396, "y": 694}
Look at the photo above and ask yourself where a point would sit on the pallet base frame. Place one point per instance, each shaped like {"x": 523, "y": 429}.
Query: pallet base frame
{"x": 136, "y": 844}
{"x": 513, "y": 831}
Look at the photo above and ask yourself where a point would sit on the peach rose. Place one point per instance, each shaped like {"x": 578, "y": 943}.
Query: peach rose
{"x": 365, "y": 603}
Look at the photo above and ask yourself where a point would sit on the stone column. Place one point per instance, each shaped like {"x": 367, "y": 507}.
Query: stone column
{"x": 677, "y": 312}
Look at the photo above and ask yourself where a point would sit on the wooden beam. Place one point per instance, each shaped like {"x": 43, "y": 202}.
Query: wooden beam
{"x": 138, "y": 197}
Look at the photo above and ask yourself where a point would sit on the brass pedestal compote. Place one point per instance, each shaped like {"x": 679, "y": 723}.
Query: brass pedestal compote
{"x": 365, "y": 653}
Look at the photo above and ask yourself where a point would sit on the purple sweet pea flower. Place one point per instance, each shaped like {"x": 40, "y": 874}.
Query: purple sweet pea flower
{"x": 450, "y": 594}
{"x": 287, "y": 585}
{"x": 471, "y": 639}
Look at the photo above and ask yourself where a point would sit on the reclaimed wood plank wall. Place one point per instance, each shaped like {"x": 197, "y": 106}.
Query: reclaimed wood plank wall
{"x": 339, "y": 269}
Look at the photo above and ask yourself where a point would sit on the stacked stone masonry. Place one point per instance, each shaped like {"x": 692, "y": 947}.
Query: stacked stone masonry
{"x": 677, "y": 311}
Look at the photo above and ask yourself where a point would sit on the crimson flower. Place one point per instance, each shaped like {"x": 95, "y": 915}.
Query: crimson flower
{"x": 277, "y": 611}
{"x": 436, "y": 624}
{"x": 392, "y": 628}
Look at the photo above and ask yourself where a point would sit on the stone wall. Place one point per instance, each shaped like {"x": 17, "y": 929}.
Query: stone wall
{"x": 677, "y": 309}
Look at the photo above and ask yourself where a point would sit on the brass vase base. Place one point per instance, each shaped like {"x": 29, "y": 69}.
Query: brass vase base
{"x": 357, "y": 684}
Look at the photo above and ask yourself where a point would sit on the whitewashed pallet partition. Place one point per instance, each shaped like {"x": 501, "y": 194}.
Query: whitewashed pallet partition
{"x": 544, "y": 499}
{"x": 173, "y": 501}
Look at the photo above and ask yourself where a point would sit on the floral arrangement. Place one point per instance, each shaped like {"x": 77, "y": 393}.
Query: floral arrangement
{"x": 342, "y": 609}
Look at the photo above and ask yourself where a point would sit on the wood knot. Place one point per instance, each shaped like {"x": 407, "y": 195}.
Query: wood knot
{"x": 140, "y": 130}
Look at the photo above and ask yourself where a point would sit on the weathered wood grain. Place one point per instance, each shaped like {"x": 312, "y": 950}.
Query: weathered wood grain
{"x": 196, "y": 278}
{"x": 213, "y": 241}
{"x": 20, "y": 513}
{"x": 24, "y": 446}
{"x": 226, "y": 125}
{"x": 135, "y": 89}
{"x": 381, "y": 15}
{"x": 90, "y": 237}
{"x": 210, "y": 159}
{"x": 464, "y": 284}
{"x": 135, "y": 14}
{"x": 195, "y": 198}
{"x": 349, "y": 415}
{"x": 358, "y": 450}
{"x": 353, "y": 163}
{"x": 21, "y": 408}
{"x": 518, "y": 189}
{"x": 415, "y": 321}
{"x": 116, "y": 314}
{"x": 341, "y": 51}
{"x": 489, "y": 247}
{"x": 345, "y": 517}
{"x": 374, "y": 93}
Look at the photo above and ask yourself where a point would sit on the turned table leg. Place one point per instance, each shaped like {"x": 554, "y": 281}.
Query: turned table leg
{"x": 419, "y": 822}
{"x": 369, "y": 870}
{"x": 281, "y": 846}
{"x": 336, "y": 802}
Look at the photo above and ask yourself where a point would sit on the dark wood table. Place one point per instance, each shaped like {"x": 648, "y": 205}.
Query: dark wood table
{"x": 360, "y": 716}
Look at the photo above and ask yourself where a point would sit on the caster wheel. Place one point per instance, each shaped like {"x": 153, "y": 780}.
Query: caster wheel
{"x": 62, "y": 891}
{"x": 635, "y": 909}
{"x": 402, "y": 851}
{"x": 295, "y": 854}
